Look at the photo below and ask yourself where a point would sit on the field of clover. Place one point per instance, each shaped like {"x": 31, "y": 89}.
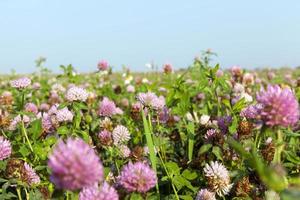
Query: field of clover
{"x": 197, "y": 133}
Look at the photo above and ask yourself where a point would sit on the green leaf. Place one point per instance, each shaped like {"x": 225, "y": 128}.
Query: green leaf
{"x": 186, "y": 197}
{"x": 226, "y": 102}
{"x": 191, "y": 141}
{"x": 135, "y": 196}
{"x": 24, "y": 151}
{"x": 291, "y": 194}
{"x": 79, "y": 106}
{"x": 238, "y": 147}
{"x": 189, "y": 175}
{"x": 234, "y": 125}
{"x": 62, "y": 105}
{"x": 149, "y": 139}
{"x": 239, "y": 105}
{"x": 173, "y": 168}
{"x": 63, "y": 130}
{"x": 77, "y": 119}
{"x": 204, "y": 148}
{"x": 292, "y": 157}
{"x": 36, "y": 129}
{"x": 217, "y": 152}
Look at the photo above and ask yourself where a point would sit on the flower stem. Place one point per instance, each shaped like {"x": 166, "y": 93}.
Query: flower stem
{"x": 149, "y": 139}
{"x": 167, "y": 172}
{"x": 27, "y": 195}
{"x": 25, "y": 134}
{"x": 279, "y": 148}
{"x": 22, "y": 99}
{"x": 19, "y": 194}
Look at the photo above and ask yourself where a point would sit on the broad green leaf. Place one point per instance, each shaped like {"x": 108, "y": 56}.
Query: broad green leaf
{"x": 204, "y": 148}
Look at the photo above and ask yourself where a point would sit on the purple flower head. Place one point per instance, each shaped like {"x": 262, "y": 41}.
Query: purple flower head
{"x": 176, "y": 118}
{"x": 30, "y": 176}
{"x": 210, "y": 134}
{"x": 36, "y": 86}
{"x": 251, "y": 112}
{"x": 164, "y": 115}
{"x": 159, "y": 103}
{"x": 64, "y": 115}
{"x": 47, "y": 123}
{"x": 108, "y": 108}
{"x": 248, "y": 78}
{"x": 103, "y": 65}
{"x": 31, "y": 107}
{"x": 280, "y": 106}
{"x": 146, "y": 98}
{"x": 137, "y": 177}
{"x": 74, "y": 165}
{"x": 53, "y": 109}
{"x": 200, "y": 96}
{"x": 130, "y": 89}
{"x": 17, "y": 120}
{"x": 137, "y": 106}
{"x": 20, "y": 83}
{"x": 168, "y": 68}
{"x": 151, "y": 100}
{"x": 271, "y": 75}
{"x": 5, "y": 148}
{"x": 77, "y": 94}
{"x": 105, "y": 137}
{"x": 205, "y": 194}
{"x": 236, "y": 70}
{"x": 219, "y": 73}
{"x": 224, "y": 123}
{"x": 105, "y": 192}
{"x": 44, "y": 107}
{"x": 54, "y": 97}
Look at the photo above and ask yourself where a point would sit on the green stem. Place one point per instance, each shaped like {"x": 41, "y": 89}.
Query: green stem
{"x": 3, "y": 133}
{"x": 25, "y": 134}
{"x": 19, "y": 194}
{"x": 22, "y": 100}
{"x": 256, "y": 139}
{"x": 27, "y": 195}
{"x": 280, "y": 147}
{"x": 167, "y": 172}
{"x": 149, "y": 139}
{"x": 67, "y": 195}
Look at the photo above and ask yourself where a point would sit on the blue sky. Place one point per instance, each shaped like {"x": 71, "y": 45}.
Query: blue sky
{"x": 250, "y": 34}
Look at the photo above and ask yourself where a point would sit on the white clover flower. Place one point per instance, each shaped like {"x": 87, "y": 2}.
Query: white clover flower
{"x": 247, "y": 97}
{"x": 128, "y": 80}
{"x": 145, "y": 80}
{"x": 189, "y": 117}
{"x": 124, "y": 151}
{"x": 268, "y": 140}
{"x": 77, "y": 94}
{"x": 120, "y": 135}
{"x": 218, "y": 178}
{"x": 58, "y": 88}
{"x": 238, "y": 88}
{"x": 204, "y": 119}
{"x": 20, "y": 83}
{"x": 130, "y": 89}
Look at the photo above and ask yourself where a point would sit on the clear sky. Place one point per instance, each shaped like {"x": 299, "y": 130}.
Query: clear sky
{"x": 251, "y": 34}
